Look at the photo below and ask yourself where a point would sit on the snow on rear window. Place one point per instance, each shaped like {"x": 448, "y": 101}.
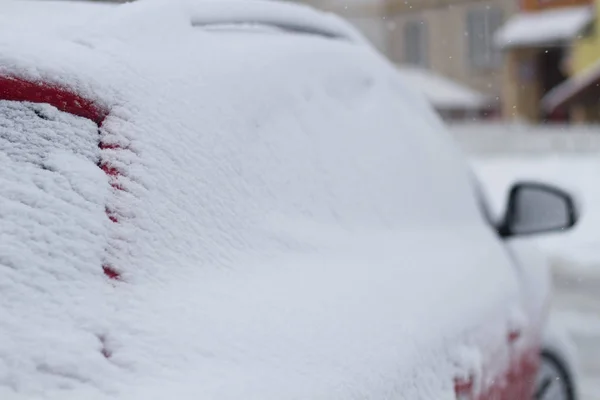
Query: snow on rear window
{"x": 28, "y": 132}
{"x": 52, "y": 243}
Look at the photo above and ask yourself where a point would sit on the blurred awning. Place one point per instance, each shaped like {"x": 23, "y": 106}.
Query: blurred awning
{"x": 542, "y": 28}
{"x": 443, "y": 93}
{"x": 584, "y": 87}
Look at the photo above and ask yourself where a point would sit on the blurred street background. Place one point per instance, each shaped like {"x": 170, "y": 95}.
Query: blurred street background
{"x": 518, "y": 81}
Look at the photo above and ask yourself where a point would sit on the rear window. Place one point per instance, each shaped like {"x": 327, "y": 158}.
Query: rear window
{"x": 52, "y": 193}
{"x": 53, "y": 240}
{"x": 31, "y": 133}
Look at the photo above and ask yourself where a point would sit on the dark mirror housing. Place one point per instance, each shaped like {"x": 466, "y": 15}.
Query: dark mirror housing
{"x": 535, "y": 208}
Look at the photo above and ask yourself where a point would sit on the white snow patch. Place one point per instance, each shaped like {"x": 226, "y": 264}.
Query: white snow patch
{"x": 544, "y": 27}
{"x": 30, "y": 17}
{"x": 292, "y": 16}
{"x": 441, "y": 92}
{"x": 522, "y": 140}
{"x": 52, "y": 243}
{"x": 578, "y": 323}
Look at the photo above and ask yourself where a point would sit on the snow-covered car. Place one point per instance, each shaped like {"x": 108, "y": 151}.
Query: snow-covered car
{"x": 243, "y": 200}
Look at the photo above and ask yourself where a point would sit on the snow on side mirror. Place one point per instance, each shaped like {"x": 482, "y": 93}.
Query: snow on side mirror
{"x": 535, "y": 208}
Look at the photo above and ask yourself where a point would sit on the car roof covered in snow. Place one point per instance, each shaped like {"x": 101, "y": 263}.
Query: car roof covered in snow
{"x": 52, "y": 15}
{"x": 246, "y": 182}
{"x": 297, "y": 18}
{"x": 59, "y": 15}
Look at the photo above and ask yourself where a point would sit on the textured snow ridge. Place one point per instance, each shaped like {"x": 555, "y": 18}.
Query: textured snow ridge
{"x": 273, "y": 203}
{"x": 29, "y": 130}
{"x": 52, "y": 241}
{"x": 291, "y": 16}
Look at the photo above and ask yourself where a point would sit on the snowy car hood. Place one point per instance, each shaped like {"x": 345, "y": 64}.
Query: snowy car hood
{"x": 263, "y": 249}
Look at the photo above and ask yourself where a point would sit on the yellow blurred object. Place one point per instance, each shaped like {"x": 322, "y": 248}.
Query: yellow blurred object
{"x": 586, "y": 48}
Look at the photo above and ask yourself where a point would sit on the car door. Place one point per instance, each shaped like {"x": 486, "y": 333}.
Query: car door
{"x": 523, "y": 337}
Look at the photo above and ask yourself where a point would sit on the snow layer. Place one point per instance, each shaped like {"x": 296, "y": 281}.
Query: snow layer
{"x": 526, "y": 141}
{"x": 52, "y": 240}
{"x": 281, "y": 197}
{"x": 298, "y": 18}
{"x": 544, "y": 27}
{"x": 443, "y": 93}
{"x": 31, "y": 16}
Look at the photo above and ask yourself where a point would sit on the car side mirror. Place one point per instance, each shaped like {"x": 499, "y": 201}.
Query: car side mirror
{"x": 535, "y": 208}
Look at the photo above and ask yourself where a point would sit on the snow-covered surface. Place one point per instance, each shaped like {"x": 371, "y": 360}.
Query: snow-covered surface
{"x": 294, "y": 17}
{"x": 278, "y": 199}
{"x": 441, "y": 92}
{"x": 576, "y": 307}
{"x": 33, "y": 16}
{"x": 521, "y": 139}
{"x": 52, "y": 242}
{"x": 543, "y": 27}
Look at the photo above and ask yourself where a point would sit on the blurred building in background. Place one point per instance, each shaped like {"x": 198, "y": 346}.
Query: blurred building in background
{"x": 454, "y": 38}
{"x": 532, "y": 60}
{"x": 451, "y": 39}
{"x": 579, "y": 94}
{"x": 549, "y": 46}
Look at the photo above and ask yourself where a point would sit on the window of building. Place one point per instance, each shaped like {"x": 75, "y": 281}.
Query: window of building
{"x": 415, "y": 44}
{"x": 482, "y": 24}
